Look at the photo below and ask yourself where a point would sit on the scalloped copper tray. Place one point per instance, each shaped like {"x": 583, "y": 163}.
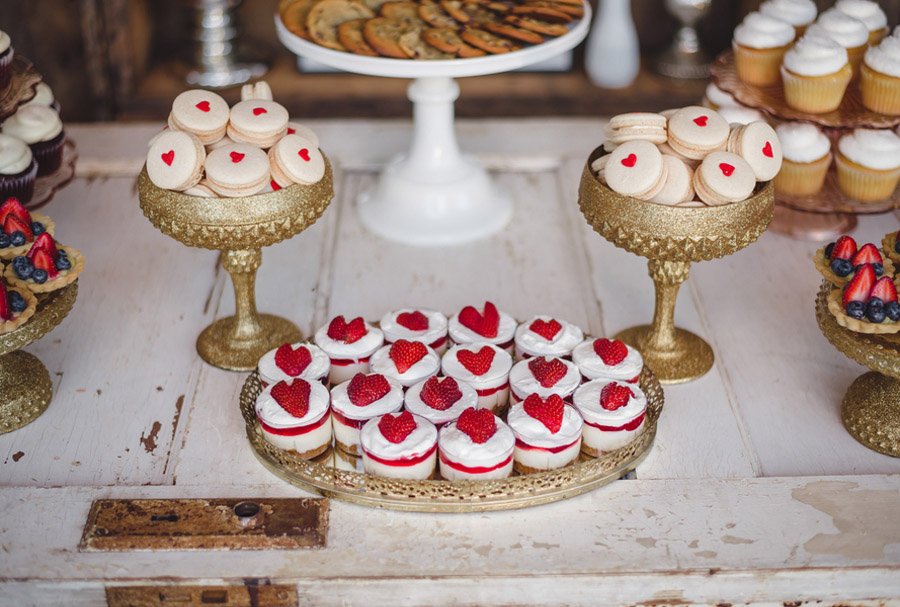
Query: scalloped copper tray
{"x": 46, "y": 187}
{"x": 831, "y": 200}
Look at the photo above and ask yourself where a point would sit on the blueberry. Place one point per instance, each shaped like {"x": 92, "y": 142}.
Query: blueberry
{"x": 875, "y": 313}
{"x": 40, "y": 276}
{"x": 893, "y": 311}
{"x": 16, "y": 301}
{"x": 22, "y": 267}
{"x": 841, "y": 267}
{"x": 38, "y": 228}
{"x": 856, "y": 309}
{"x": 828, "y": 249}
{"x": 17, "y": 239}
{"x": 62, "y": 262}
{"x": 879, "y": 269}
{"x": 4, "y": 240}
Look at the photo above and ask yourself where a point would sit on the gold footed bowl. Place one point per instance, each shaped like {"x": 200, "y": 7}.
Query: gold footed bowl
{"x": 871, "y": 408}
{"x": 25, "y": 385}
{"x": 239, "y": 228}
{"x": 671, "y": 238}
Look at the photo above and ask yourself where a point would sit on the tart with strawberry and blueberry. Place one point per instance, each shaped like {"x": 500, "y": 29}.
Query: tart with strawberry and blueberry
{"x": 294, "y": 415}
{"x": 486, "y": 325}
{"x": 543, "y": 375}
{"x": 547, "y": 431}
{"x": 290, "y": 361}
{"x": 416, "y": 324}
{"x": 399, "y": 445}
{"x": 440, "y": 400}
{"x": 19, "y": 228}
{"x": 867, "y": 304}
{"x": 604, "y": 358}
{"x": 46, "y": 267}
{"x": 477, "y": 446}
{"x": 838, "y": 261}
{"x": 408, "y": 362}
{"x": 485, "y": 367}
{"x": 349, "y": 344}
{"x": 546, "y": 336}
{"x": 890, "y": 246}
{"x": 17, "y": 306}
{"x": 356, "y": 401}
{"x": 614, "y": 414}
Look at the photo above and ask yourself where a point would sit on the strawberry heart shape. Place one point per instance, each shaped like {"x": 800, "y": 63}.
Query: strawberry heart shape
{"x": 485, "y": 324}
{"x": 236, "y": 157}
{"x": 414, "y": 321}
{"x": 396, "y": 428}
{"x": 292, "y": 397}
{"x": 440, "y": 394}
{"x": 610, "y": 351}
{"x": 304, "y": 154}
{"x": 203, "y": 106}
{"x": 614, "y": 396}
{"x": 258, "y": 111}
{"x": 701, "y": 120}
{"x": 406, "y": 353}
{"x": 727, "y": 169}
{"x": 548, "y": 411}
{"x": 168, "y": 157}
{"x": 767, "y": 150}
{"x": 363, "y": 390}
{"x": 291, "y": 131}
{"x": 630, "y": 160}
{"x": 548, "y": 371}
{"x": 291, "y": 361}
{"x": 477, "y": 363}
{"x": 548, "y": 329}
{"x": 347, "y": 332}
{"x": 478, "y": 424}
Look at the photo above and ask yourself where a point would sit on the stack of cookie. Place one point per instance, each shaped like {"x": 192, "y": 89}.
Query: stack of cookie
{"x": 428, "y": 29}
{"x": 687, "y": 157}
{"x": 210, "y": 149}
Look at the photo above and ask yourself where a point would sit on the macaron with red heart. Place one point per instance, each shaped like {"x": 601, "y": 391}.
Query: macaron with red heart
{"x": 695, "y": 131}
{"x": 636, "y": 169}
{"x": 175, "y": 160}
{"x": 758, "y": 144}
{"x": 295, "y": 128}
{"x": 679, "y": 185}
{"x": 296, "y": 160}
{"x": 237, "y": 170}
{"x": 202, "y": 113}
{"x": 723, "y": 178}
{"x": 258, "y": 121}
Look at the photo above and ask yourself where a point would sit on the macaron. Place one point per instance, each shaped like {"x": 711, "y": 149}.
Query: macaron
{"x": 226, "y": 140}
{"x": 636, "y": 169}
{"x": 296, "y": 160}
{"x": 258, "y": 121}
{"x": 201, "y": 190}
{"x": 236, "y": 170}
{"x": 635, "y": 126}
{"x": 678, "y": 186}
{"x": 695, "y": 131}
{"x": 295, "y": 128}
{"x": 599, "y": 167}
{"x": 175, "y": 160}
{"x": 202, "y": 113}
{"x": 758, "y": 144}
{"x": 257, "y": 90}
{"x": 723, "y": 177}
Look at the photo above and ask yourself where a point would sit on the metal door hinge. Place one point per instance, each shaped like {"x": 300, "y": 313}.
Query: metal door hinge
{"x": 247, "y": 595}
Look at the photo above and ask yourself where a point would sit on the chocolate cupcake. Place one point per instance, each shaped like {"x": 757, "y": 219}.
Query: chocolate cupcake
{"x": 18, "y": 169}
{"x": 41, "y": 128}
{"x": 43, "y": 96}
{"x": 6, "y": 59}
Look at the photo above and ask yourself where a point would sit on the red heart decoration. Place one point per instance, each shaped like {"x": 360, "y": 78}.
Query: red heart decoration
{"x": 613, "y": 396}
{"x": 260, "y": 110}
{"x": 549, "y": 412}
{"x": 292, "y": 397}
{"x": 275, "y": 186}
{"x": 485, "y": 324}
{"x": 203, "y": 106}
{"x": 611, "y": 351}
{"x": 478, "y": 424}
{"x": 477, "y": 363}
{"x": 767, "y": 150}
{"x": 168, "y": 157}
{"x": 236, "y": 157}
{"x": 291, "y": 361}
{"x": 629, "y": 160}
{"x": 291, "y": 131}
{"x": 304, "y": 154}
{"x": 406, "y": 353}
{"x": 363, "y": 390}
{"x": 548, "y": 371}
{"x": 547, "y": 329}
{"x": 347, "y": 332}
{"x": 396, "y": 428}
{"x": 440, "y": 394}
{"x": 414, "y": 321}
{"x": 727, "y": 169}
{"x": 701, "y": 120}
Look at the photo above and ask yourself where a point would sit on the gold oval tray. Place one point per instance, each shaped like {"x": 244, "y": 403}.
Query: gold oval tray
{"x": 459, "y": 496}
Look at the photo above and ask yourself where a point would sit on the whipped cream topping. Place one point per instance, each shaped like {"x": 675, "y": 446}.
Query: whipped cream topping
{"x": 317, "y": 368}
{"x": 795, "y": 12}
{"x": 415, "y": 405}
{"x": 418, "y": 442}
{"x": 437, "y": 326}
{"x": 873, "y": 148}
{"x": 815, "y": 55}
{"x": 15, "y": 155}
{"x": 592, "y": 366}
{"x": 5, "y": 42}
{"x": 273, "y": 414}
{"x": 459, "y": 448}
{"x": 740, "y": 115}
{"x": 424, "y": 368}
{"x": 802, "y": 142}
{"x": 460, "y": 334}
{"x": 33, "y": 124}
{"x": 866, "y": 11}
{"x": 561, "y": 344}
{"x": 761, "y": 31}
{"x": 533, "y": 432}
{"x": 847, "y": 31}
{"x": 885, "y": 58}
{"x": 43, "y": 96}
{"x": 523, "y": 382}
{"x": 498, "y": 371}
{"x": 389, "y": 403}
{"x": 361, "y": 348}
{"x": 719, "y": 97}
{"x": 587, "y": 401}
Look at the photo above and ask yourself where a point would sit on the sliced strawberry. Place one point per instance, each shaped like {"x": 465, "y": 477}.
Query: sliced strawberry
{"x": 546, "y": 370}
{"x": 291, "y": 361}
{"x": 477, "y": 363}
{"x": 406, "y": 353}
{"x": 364, "y": 390}
{"x": 548, "y": 411}
{"x": 5, "y": 312}
{"x": 414, "y": 321}
{"x": 45, "y": 242}
{"x": 613, "y": 396}
{"x": 884, "y": 290}
{"x": 12, "y": 206}
{"x": 41, "y": 260}
{"x": 292, "y": 397}
{"x": 545, "y": 328}
{"x": 485, "y": 323}
{"x": 348, "y": 332}
{"x": 844, "y": 248}
{"x": 868, "y": 253}
{"x": 610, "y": 351}
{"x": 478, "y": 424}
{"x": 396, "y": 428}
{"x": 440, "y": 394}
{"x": 860, "y": 285}
{"x": 14, "y": 224}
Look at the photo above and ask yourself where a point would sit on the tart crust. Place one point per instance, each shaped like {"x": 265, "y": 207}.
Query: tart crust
{"x": 854, "y": 324}
{"x": 824, "y": 268}
{"x": 64, "y": 279}
{"x": 22, "y": 317}
{"x": 887, "y": 247}
{"x": 10, "y": 253}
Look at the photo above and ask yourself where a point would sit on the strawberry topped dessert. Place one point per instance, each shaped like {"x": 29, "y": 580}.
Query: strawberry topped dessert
{"x": 406, "y": 361}
{"x": 19, "y": 228}
{"x": 485, "y": 367}
{"x": 349, "y": 344}
{"x": 477, "y": 446}
{"x": 46, "y": 266}
{"x": 288, "y": 361}
{"x": 613, "y": 414}
{"x": 867, "y": 304}
{"x": 604, "y": 358}
{"x": 488, "y": 325}
{"x": 358, "y": 400}
{"x": 17, "y": 305}
{"x": 400, "y": 445}
{"x": 839, "y": 261}
{"x": 546, "y": 336}
{"x": 543, "y": 375}
{"x": 427, "y": 326}
{"x": 294, "y": 415}
{"x": 440, "y": 399}
{"x": 547, "y": 431}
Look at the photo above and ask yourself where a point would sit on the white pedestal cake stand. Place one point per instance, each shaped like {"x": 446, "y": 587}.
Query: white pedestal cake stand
{"x": 434, "y": 195}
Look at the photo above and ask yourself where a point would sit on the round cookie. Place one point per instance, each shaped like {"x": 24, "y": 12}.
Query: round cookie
{"x": 723, "y": 177}
{"x": 296, "y": 160}
{"x": 695, "y": 131}
{"x": 258, "y": 121}
{"x": 635, "y": 168}
{"x": 175, "y": 160}
{"x": 258, "y": 90}
{"x": 678, "y": 186}
{"x": 237, "y": 170}
{"x": 758, "y": 144}
{"x": 636, "y": 126}
{"x": 295, "y": 128}
{"x": 202, "y": 113}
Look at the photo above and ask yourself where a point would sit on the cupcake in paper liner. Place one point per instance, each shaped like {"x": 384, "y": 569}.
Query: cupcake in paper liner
{"x": 18, "y": 169}
{"x": 6, "y": 59}
{"x": 868, "y": 164}
{"x": 807, "y": 156}
{"x": 41, "y": 128}
{"x": 880, "y": 77}
{"x": 870, "y": 13}
{"x": 759, "y": 45}
{"x": 849, "y": 32}
{"x": 799, "y": 13}
{"x": 815, "y": 74}
{"x": 43, "y": 96}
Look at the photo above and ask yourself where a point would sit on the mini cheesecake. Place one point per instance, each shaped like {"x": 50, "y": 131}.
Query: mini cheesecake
{"x": 358, "y": 400}
{"x": 427, "y": 326}
{"x": 290, "y": 361}
{"x": 548, "y": 433}
{"x": 613, "y": 414}
{"x": 477, "y": 446}
{"x": 348, "y": 346}
{"x": 608, "y": 359}
{"x": 485, "y": 325}
{"x": 546, "y": 336}
{"x": 294, "y": 415}
{"x": 483, "y": 366}
{"x": 399, "y": 445}
{"x": 407, "y": 362}
{"x": 440, "y": 400}
{"x": 543, "y": 376}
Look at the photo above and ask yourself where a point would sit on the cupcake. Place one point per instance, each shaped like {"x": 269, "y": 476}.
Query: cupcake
{"x": 741, "y": 115}
{"x": 483, "y": 366}
{"x": 548, "y": 434}
{"x": 6, "y": 60}
{"x": 608, "y": 359}
{"x": 799, "y": 13}
{"x": 849, "y": 32}
{"x": 440, "y": 400}
{"x": 18, "y": 169}
{"x": 715, "y": 98}
{"x": 400, "y": 445}
{"x": 407, "y": 362}
{"x": 291, "y": 361}
{"x": 355, "y": 402}
{"x": 488, "y": 324}
{"x": 41, "y": 128}
{"x": 427, "y": 326}
{"x": 43, "y": 96}
{"x": 806, "y": 157}
{"x": 294, "y": 415}
{"x": 349, "y": 345}
{"x": 759, "y": 45}
{"x": 543, "y": 375}
{"x": 477, "y": 446}
{"x": 880, "y": 77}
{"x": 815, "y": 74}
{"x": 546, "y": 336}
{"x": 868, "y": 164}
{"x": 869, "y": 13}
{"x": 613, "y": 415}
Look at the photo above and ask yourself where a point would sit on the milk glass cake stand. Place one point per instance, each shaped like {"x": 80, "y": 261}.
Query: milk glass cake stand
{"x": 434, "y": 195}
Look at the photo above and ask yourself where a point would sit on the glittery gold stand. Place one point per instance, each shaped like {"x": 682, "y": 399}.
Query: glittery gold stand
{"x": 671, "y": 238}
{"x": 871, "y": 407}
{"x": 239, "y": 227}
{"x": 25, "y": 386}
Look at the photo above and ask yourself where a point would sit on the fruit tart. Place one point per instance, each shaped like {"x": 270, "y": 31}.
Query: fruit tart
{"x": 17, "y": 305}
{"x": 46, "y": 267}
{"x": 19, "y": 228}
{"x": 890, "y": 245}
{"x": 867, "y": 304}
{"x": 839, "y": 261}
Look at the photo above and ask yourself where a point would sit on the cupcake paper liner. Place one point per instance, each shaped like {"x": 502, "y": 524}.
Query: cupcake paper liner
{"x": 816, "y": 94}
{"x": 49, "y": 154}
{"x": 758, "y": 66}
{"x": 6, "y": 71}
{"x": 802, "y": 178}
{"x": 880, "y": 92}
{"x": 21, "y": 185}
{"x": 865, "y": 184}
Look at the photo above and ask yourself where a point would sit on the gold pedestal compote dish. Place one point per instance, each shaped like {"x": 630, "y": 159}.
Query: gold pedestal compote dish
{"x": 239, "y": 227}
{"x": 671, "y": 238}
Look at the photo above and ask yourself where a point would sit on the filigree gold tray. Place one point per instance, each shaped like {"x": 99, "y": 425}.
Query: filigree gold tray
{"x": 459, "y": 496}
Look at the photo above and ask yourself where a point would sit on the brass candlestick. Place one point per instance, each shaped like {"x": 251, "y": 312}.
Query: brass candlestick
{"x": 671, "y": 238}
{"x": 871, "y": 407}
{"x": 239, "y": 227}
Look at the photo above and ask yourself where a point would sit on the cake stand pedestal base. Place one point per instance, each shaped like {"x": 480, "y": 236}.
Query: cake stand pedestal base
{"x": 25, "y": 390}
{"x": 685, "y": 358}
{"x": 871, "y": 412}
{"x": 816, "y": 227}
{"x": 225, "y": 345}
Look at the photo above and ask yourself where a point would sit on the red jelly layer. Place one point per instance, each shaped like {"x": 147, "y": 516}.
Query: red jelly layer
{"x": 632, "y": 425}
{"x": 353, "y": 423}
{"x": 403, "y": 462}
{"x": 523, "y": 445}
{"x": 473, "y": 469}
{"x": 346, "y": 362}
{"x": 490, "y": 391}
{"x": 296, "y": 431}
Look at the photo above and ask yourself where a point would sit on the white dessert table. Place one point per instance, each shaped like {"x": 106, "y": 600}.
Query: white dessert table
{"x": 753, "y": 493}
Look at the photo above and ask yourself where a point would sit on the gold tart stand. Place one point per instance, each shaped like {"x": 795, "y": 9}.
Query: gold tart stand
{"x": 239, "y": 227}
{"x": 25, "y": 385}
{"x": 871, "y": 407}
{"x": 519, "y": 491}
{"x": 671, "y": 238}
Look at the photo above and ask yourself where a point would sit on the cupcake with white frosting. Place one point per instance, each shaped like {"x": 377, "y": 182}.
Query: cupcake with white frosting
{"x": 399, "y": 445}
{"x": 799, "y": 13}
{"x": 760, "y": 42}
{"x": 41, "y": 128}
{"x": 440, "y": 400}
{"x": 427, "y": 326}
{"x": 547, "y": 431}
{"x": 43, "y": 96}
{"x": 868, "y": 12}
{"x": 614, "y": 414}
{"x": 485, "y": 367}
{"x": 294, "y": 415}
{"x": 715, "y": 98}
{"x": 880, "y": 77}
{"x": 806, "y": 157}
{"x": 18, "y": 169}
{"x": 349, "y": 345}
{"x": 6, "y": 59}
{"x": 741, "y": 115}
{"x": 487, "y": 324}
{"x": 407, "y": 362}
{"x": 477, "y": 446}
{"x": 868, "y": 164}
{"x": 355, "y": 402}
{"x": 290, "y": 361}
{"x": 546, "y": 336}
{"x": 543, "y": 375}
{"x": 608, "y": 359}
{"x": 849, "y": 32}
{"x": 815, "y": 73}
